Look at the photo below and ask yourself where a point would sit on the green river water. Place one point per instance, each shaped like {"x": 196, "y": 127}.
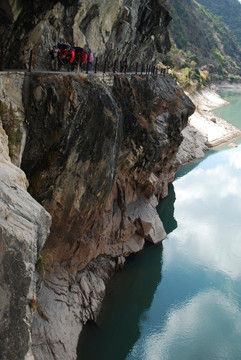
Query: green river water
{"x": 181, "y": 300}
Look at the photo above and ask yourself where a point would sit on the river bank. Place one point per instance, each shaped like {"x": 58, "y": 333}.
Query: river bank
{"x": 206, "y": 130}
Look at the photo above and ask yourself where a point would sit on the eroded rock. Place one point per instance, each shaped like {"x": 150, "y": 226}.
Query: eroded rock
{"x": 113, "y": 30}
{"x": 97, "y": 162}
{"x": 24, "y": 226}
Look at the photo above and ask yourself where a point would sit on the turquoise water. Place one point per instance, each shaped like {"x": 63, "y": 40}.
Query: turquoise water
{"x": 181, "y": 300}
{"x": 231, "y": 113}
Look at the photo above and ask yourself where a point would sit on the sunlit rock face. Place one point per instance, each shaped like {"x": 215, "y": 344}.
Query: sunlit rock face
{"x": 24, "y": 226}
{"x": 97, "y": 158}
{"x": 113, "y": 30}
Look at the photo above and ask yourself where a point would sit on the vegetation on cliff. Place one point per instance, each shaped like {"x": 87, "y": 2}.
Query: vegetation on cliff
{"x": 205, "y": 44}
{"x": 230, "y": 13}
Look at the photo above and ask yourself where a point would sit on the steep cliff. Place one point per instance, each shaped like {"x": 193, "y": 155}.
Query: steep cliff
{"x": 24, "y": 227}
{"x": 95, "y": 157}
{"x": 98, "y": 151}
{"x": 111, "y": 29}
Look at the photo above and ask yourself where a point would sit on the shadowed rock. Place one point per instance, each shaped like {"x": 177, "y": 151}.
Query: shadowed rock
{"x": 95, "y": 159}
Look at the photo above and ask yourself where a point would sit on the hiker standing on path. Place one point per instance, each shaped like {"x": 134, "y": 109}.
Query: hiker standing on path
{"x": 91, "y": 60}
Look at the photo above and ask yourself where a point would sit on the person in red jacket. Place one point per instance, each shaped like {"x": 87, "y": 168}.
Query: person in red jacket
{"x": 84, "y": 57}
{"x": 67, "y": 55}
{"x": 80, "y": 56}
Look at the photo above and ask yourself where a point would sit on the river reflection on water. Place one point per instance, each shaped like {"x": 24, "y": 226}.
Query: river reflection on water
{"x": 181, "y": 300}
{"x": 231, "y": 112}
{"x": 208, "y": 209}
{"x": 201, "y": 270}
{"x": 202, "y": 265}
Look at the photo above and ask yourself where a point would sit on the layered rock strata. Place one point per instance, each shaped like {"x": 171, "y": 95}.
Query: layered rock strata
{"x": 97, "y": 158}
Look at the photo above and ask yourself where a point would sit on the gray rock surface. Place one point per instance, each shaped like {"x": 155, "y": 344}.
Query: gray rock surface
{"x": 71, "y": 302}
{"x": 193, "y": 146}
{"x": 113, "y": 30}
{"x": 97, "y": 153}
{"x": 24, "y": 226}
{"x": 97, "y": 160}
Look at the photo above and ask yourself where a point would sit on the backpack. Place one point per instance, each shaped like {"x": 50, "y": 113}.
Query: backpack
{"x": 63, "y": 46}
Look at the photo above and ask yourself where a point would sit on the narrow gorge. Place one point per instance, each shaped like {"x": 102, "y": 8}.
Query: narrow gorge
{"x": 98, "y": 152}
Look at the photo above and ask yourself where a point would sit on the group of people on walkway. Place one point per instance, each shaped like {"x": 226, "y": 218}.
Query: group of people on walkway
{"x": 64, "y": 54}
{"x": 76, "y": 57}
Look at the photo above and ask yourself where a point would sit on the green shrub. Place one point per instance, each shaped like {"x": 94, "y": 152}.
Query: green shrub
{"x": 44, "y": 262}
{"x": 185, "y": 65}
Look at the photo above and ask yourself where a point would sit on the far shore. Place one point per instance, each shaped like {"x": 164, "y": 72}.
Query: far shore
{"x": 205, "y": 130}
{"x": 216, "y": 129}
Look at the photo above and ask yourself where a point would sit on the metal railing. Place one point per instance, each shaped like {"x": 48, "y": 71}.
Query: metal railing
{"x": 133, "y": 68}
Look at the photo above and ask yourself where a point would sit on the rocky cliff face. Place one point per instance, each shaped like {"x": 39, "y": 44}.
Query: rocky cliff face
{"x": 97, "y": 157}
{"x": 111, "y": 29}
{"x": 98, "y": 152}
{"x": 24, "y": 226}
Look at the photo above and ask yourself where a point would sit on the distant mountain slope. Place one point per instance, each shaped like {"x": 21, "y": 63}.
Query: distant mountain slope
{"x": 201, "y": 38}
{"x": 229, "y": 11}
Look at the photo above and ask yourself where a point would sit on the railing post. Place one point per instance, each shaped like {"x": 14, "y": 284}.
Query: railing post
{"x": 96, "y": 63}
{"x": 104, "y": 67}
{"x": 1, "y": 58}
{"x": 78, "y": 64}
{"x": 30, "y": 60}
{"x": 114, "y": 66}
{"x": 141, "y": 68}
{"x": 136, "y": 67}
{"x": 87, "y": 68}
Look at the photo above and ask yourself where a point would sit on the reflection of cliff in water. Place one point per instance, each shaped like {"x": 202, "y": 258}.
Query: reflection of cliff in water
{"x": 186, "y": 168}
{"x": 165, "y": 210}
{"x": 128, "y": 296}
